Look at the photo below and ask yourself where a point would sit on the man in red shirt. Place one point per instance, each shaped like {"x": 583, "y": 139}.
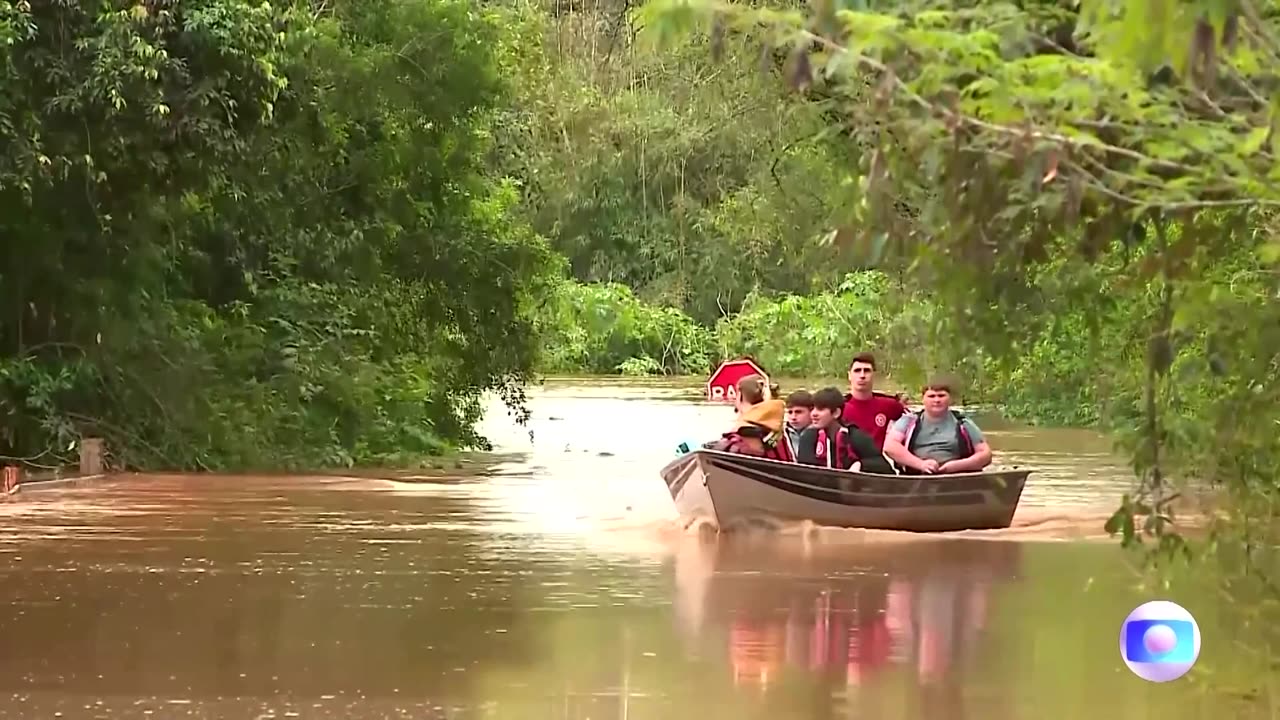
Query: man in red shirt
{"x": 869, "y": 411}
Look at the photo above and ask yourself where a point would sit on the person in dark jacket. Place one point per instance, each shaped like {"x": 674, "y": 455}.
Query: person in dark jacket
{"x": 830, "y": 443}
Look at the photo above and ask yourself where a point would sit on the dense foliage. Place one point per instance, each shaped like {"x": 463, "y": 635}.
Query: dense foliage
{"x": 604, "y": 329}
{"x": 1063, "y": 378}
{"x": 690, "y": 181}
{"x": 256, "y": 234}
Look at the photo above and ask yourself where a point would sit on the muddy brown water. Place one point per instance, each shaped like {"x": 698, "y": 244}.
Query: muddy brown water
{"x": 558, "y": 585}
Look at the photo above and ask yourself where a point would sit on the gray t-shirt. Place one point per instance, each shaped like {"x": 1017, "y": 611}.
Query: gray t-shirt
{"x": 937, "y": 439}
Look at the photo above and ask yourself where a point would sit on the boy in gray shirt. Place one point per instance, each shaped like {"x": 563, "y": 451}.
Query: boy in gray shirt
{"x": 937, "y": 439}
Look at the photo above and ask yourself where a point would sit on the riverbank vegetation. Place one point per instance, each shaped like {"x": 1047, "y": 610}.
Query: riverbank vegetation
{"x": 257, "y": 234}
{"x": 606, "y": 329}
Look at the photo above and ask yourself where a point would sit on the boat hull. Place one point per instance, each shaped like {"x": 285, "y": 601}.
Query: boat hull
{"x": 730, "y": 490}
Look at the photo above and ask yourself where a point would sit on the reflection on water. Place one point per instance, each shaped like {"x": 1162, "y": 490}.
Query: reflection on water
{"x": 559, "y": 587}
{"x": 845, "y": 616}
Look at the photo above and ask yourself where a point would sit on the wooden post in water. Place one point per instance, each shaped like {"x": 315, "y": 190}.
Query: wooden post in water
{"x": 91, "y": 456}
{"x": 12, "y": 474}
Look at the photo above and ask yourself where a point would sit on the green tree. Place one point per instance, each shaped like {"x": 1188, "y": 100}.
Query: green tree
{"x": 691, "y": 182}
{"x": 251, "y": 235}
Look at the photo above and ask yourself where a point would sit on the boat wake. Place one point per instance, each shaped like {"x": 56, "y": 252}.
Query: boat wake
{"x": 1029, "y": 525}
{"x": 1052, "y": 524}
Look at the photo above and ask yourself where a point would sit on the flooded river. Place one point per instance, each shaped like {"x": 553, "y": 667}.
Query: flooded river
{"x": 559, "y": 586}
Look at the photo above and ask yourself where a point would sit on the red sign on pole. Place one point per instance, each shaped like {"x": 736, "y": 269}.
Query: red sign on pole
{"x": 722, "y": 386}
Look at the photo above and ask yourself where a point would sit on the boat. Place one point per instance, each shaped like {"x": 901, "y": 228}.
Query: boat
{"x": 729, "y": 490}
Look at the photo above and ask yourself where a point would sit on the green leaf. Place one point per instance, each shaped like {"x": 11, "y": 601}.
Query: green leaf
{"x": 1252, "y": 142}
{"x": 1270, "y": 252}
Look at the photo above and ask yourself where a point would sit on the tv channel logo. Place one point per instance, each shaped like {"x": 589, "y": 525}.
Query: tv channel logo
{"x": 1160, "y": 641}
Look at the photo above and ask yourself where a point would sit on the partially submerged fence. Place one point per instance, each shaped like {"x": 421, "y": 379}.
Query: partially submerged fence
{"x": 91, "y": 466}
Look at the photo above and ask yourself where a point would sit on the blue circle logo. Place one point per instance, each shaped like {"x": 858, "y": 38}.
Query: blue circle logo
{"x": 1160, "y": 641}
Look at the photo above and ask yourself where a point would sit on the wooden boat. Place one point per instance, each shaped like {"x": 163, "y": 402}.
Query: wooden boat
{"x": 730, "y": 490}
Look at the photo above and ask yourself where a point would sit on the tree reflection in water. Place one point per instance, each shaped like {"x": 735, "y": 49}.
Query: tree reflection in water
{"x": 847, "y": 615}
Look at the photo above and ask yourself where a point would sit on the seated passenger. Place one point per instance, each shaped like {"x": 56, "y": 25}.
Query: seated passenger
{"x": 870, "y": 411}
{"x": 799, "y": 417}
{"x": 937, "y": 439}
{"x": 758, "y": 428}
{"x": 829, "y": 442}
